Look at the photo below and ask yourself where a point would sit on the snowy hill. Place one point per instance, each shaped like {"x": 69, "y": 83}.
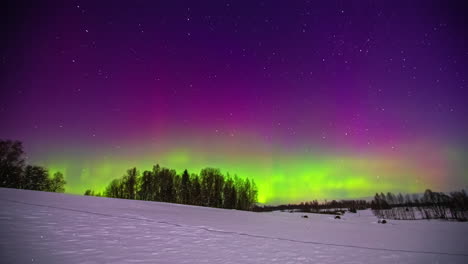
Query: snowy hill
{"x": 41, "y": 227}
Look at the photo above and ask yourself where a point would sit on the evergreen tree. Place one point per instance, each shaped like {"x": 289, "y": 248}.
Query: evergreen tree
{"x": 207, "y": 182}
{"x": 195, "y": 192}
{"x": 167, "y": 185}
{"x": 156, "y": 183}
{"x": 185, "y": 188}
{"x": 145, "y": 190}
{"x": 177, "y": 183}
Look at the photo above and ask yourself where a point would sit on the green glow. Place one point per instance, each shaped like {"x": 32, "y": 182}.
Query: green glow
{"x": 280, "y": 177}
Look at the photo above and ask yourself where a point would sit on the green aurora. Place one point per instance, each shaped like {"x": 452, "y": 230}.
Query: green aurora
{"x": 280, "y": 177}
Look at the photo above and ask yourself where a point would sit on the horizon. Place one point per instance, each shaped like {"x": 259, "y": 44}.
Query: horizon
{"x": 101, "y": 189}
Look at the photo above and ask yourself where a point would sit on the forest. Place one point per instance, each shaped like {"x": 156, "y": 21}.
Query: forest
{"x": 430, "y": 205}
{"x": 211, "y": 188}
{"x": 15, "y": 173}
{"x": 325, "y": 207}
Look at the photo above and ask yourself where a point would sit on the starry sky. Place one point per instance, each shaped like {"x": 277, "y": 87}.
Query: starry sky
{"x": 311, "y": 99}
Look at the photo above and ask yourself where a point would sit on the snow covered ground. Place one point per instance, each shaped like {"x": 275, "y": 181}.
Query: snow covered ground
{"x": 39, "y": 227}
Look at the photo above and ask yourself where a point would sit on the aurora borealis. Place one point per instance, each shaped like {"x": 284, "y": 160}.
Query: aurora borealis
{"x": 312, "y": 99}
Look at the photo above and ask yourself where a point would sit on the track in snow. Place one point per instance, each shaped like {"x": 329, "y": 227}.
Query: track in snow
{"x": 154, "y": 232}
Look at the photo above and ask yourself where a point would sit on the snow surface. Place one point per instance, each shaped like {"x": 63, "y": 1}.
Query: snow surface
{"x": 42, "y": 227}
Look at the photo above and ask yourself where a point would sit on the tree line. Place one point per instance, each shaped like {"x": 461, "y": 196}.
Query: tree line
{"x": 210, "y": 188}
{"x": 329, "y": 207}
{"x": 431, "y": 205}
{"x": 15, "y": 173}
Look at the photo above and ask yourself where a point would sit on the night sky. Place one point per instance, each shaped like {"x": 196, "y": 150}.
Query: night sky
{"x": 312, "y": 99}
